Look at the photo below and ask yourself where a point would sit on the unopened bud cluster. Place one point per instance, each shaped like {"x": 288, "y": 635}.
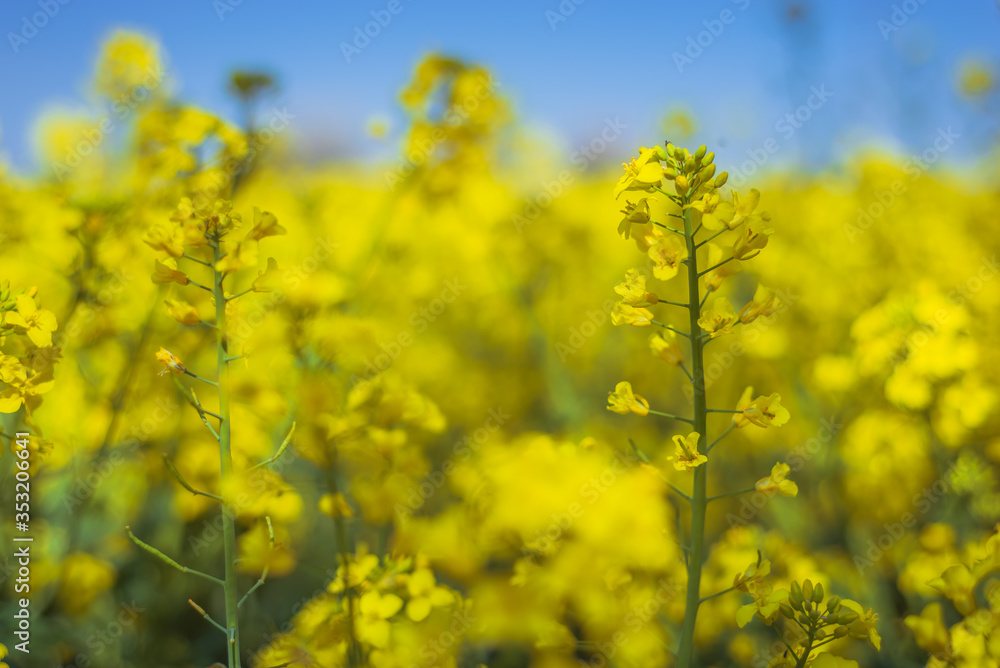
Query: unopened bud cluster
{"x": 691, "y": 172}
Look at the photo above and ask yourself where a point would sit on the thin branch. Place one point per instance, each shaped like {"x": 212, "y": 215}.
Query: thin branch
{"x": 664, "y": 301}
{"x": 194, "y": 259}
{"x": 183, "y": 569}
{"x": 233, "y": 359}
{"x": 672, "y": 329}
{"x": 281, "y": 449}
{"x": 237, "y": 296}
{"x": 267, "y": 566}
{"x": 722, "y": 496}
{"x": 686, "y": 372}
{"x": 667, "y": 227}
{"x": 709, "y": 598}
{"x": 184, "y": 483}
{"x": 679, "y": 493}
{"x": 207, "y": 323}
{"x": 199, "y": 285}
{"x": 204, "y": 380}
{"x": 201, "y": 611}
{"x": 705, "y": 299}
{"x": 702, "y": 243}
{"x": 721, "y": 410}
{"x": 715, "y": 266}
{"x": 721, "y": 436}
{"x": 670, "y": 415}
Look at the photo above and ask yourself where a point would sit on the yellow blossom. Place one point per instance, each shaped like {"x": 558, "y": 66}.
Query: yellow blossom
{"x": 635, "y": 214}
{"x": 623, "y": 401}
{"x": 633, "y": 290}
{"x": 766, "y": 411}
{"x": 267, "y": 280}
{"x": 182, "y": 312}
{"x": 667, "y": 252}
{"x": 753, "y": 575}
{"x": 686, "y": 456}
{"x": 665, "y": 347}
{"x": 642, "y": 173}
{"x": 777, "y": 482}
{"x": 425, "y": 594}
{"x": 750, "y": 243}
{"x": 744, "y": 208}
{"x": 863, "y": 628}
{"x": 714, "y": 214}
{"x": 166, "y": 238}
{"x": 172, "y": 362}
{"x": 929, "y": 630}
{"x": 764, "y": 303}
{"x": 375, "y": 609}
{"x": 719, "y": 319}
{"x": 714, "y": 277}
{"x": 958, "y": 584}
{"x": 623, "y": 314}
{"x": 166, "y": 272}
{"x": 265, "y": 224}
{"x": 38, "y": 323}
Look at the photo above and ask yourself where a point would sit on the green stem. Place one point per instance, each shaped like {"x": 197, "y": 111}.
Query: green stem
{"x": 718, "y": 593}
{"x": 801, "y": 663}
{"x": 716, "y": 266}
{"x": 722, "y": 436}
{"x": 722, "y": 496}
{"x": 722, "y": 231}
{"x": 226, "y": 462}
{"x": 699, "y": 495}
{"x": 671, "y": 416}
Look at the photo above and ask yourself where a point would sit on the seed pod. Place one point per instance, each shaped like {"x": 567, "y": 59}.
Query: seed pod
{"x": 670, "y": 173}
{"x": 807, "y": 590}
{"x": 820, "y": 634}
{"x": 795, "y": 603}
{"x": 833, "y": 603}
{"x": 786, "y": 611}
{"x": 708, "y": 172}
{"x": 671, "y": 149}
{"x": 818, "y": 592}
{"x": 814, "y": 614}
{"x": 721, "y": 179}
{"x": 708, "y": 159}
{"x": 700, "y": 153}
{"x": 840, "y": 632}
{"x": 681, "y": 184}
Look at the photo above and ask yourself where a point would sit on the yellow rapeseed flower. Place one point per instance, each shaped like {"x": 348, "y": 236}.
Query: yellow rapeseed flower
{"x": 686, "y": 456}
{"x": 777, "y": 482}
{"x": 624, "y": 401}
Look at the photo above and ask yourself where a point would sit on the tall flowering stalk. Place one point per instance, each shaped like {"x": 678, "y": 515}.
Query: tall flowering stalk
{"x": 200, "y": 236}
{"x": 703, "y": 213}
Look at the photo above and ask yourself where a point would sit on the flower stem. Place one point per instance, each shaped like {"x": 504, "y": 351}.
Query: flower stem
{"x": 724, "y": 495}
{"x": 699, "y": 502}
{"x": 226, "y": 462}
{"x": 671, "y": 416}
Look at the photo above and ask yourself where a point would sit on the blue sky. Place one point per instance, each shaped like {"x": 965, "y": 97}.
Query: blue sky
{"x": 889, "y": 68}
